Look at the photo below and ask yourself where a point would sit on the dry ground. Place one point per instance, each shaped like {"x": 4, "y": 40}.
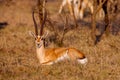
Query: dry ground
{"x": 18, "y": 57}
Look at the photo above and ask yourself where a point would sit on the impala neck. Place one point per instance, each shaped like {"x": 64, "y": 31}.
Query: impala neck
{"x": 41, "y": 53}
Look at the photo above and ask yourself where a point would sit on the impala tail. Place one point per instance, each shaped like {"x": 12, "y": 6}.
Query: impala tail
{"x": 75, "y": 54}
{"x": 82, "y": 60}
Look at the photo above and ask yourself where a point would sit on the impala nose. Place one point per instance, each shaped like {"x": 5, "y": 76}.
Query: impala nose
{"x": 39, "y": 45}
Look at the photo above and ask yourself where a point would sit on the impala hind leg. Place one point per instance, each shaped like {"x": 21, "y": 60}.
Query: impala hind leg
{"x": 81, "y": 13}
{"x": 76, "y": 8}
{"x": 91, "y": 7}
{"x": 70, "y": 6}
{"x": 62, "y": 6}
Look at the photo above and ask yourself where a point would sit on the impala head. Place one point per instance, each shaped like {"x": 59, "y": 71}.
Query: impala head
{"x": 38, "y": 41}
{"x": 39, "y": 38}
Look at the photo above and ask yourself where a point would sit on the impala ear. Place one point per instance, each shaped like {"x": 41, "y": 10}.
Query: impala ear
{"x": 44, "y": 35}
{"x": 32, "y": 34}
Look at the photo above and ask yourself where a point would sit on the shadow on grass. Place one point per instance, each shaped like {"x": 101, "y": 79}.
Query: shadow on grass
{"x": 3, "y": 25}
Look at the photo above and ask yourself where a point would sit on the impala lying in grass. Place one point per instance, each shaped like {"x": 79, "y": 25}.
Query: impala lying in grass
{"x": 54, "y": 55}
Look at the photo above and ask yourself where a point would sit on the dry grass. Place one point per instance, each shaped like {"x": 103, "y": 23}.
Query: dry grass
{"x": 18, "y": 57}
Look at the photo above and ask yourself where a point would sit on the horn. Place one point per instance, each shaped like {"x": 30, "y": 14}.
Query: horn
{"x": 35, "y": 24}
{"x": 43, "y": 23}
{"x": 42, "y": 14}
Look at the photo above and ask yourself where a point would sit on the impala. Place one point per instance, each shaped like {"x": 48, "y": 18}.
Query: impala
{"x": 73, "y": 5}
{"x": 64, "y": 3}
{"x": 48, "y": 56}
{"x": 79, "y": 6}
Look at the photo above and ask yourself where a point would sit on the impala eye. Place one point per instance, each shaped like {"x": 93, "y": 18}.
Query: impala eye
{"x": 42, "y": 38}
